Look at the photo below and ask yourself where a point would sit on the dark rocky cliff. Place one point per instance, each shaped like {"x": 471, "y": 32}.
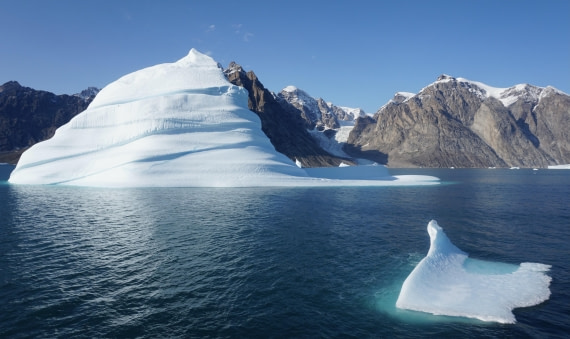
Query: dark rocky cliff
{"x": 281, "y": 122}
{"x": 28, "y": 116}
{"x": 457, "y": 123}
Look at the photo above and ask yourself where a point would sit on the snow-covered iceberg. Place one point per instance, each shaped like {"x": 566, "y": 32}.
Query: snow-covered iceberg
{"x": 174, "y": 124}
{"x": 447, "y": 282}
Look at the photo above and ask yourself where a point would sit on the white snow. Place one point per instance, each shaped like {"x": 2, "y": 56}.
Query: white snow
{"x": 178, "y": 124}
{"x": 290, "y": 89}
{"x": 405, "y": 95}
{"x": 314, "y": 111}
{"x": 333, "y": 145}
{"x": 399, "y": 98}
{"x": 508, "y": 95}
{"x": 356, "y": 112}
{"x": 448, "y": 282}
{"x": 559, "y": 166}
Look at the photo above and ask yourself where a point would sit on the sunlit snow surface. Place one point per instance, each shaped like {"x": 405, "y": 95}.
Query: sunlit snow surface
{"x": 447, "y": 282}
{"x": 567, "y": 166}
{"x": 177, "y": 124}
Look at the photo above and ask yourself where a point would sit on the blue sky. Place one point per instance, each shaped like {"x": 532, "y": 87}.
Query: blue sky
{"x": 353, "y": 53}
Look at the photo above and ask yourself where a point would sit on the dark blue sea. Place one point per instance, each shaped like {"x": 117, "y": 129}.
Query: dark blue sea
{"x": 270, "y": 262}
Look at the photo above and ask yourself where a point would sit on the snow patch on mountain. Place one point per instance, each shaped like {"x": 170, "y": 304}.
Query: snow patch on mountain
{"x": 330, "y": 124}
{"x": 508, "y": 96}
{"x": 88, "y": 93}
{"x": 353, "y": 112}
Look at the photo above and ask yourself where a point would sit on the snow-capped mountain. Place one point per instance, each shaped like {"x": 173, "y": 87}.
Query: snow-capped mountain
{"x": 318, "y": 113}
{"x": 508, "y": 96}
{"x": 176, "y": 124}
{"x": 282, "y": 122}
{"x": 329, "y": 124}
{"x": 88, "y": 94}
{"x": 455, "y": 122}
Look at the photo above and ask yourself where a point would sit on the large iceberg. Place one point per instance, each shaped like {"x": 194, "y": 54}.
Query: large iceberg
{"x": 173, "y": 124}
{"x": 447, "y": 282}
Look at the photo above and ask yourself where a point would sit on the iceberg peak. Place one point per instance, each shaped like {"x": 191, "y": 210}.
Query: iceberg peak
{"x": 439, "y": 242}
{"x": 197, "y": 59}
{"x": 194, "y": 71}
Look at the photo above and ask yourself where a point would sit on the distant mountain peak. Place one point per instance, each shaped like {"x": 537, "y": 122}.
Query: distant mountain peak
{"x": 290, "y": 88}
{"x": 233, "y": 67}
{"x": 401, "y": 97}
{"x": 10, "y": 86}
{"x": 12, "y": 83}
{"x": 506, "y": 95}
{"x": 445, "y": 77}
{"x": 88, "y": 94}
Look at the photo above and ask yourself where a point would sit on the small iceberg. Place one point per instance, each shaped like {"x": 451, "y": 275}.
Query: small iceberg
{"x": 567, "y": 166}
{"x": 448, "y": 282}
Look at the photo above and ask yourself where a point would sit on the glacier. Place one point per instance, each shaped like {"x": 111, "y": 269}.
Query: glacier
{"x": 179, "y": 124}
{"x": 448, "y": 282}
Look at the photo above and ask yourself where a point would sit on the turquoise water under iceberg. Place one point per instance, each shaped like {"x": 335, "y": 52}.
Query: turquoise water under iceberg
{"x": 271, "y": 262}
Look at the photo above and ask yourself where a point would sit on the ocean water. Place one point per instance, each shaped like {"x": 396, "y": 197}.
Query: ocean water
{"x": 269, "y": 262}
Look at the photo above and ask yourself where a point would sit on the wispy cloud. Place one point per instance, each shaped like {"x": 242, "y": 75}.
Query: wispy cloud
{"x": 211, "y": 28}
{"x": 247, "y": 36}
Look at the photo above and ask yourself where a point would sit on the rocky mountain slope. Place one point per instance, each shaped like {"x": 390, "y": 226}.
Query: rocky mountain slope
{"x": 282, "y": 122}
{"x": 28, "y": 116}
{"x": 327, "y": 123}
{"x": 455, "y": 122}
{"x": 317, "y": 113}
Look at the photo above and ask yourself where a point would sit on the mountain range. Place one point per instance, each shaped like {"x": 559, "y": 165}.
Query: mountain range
{"x": 28, "y": 116}
{"x": 453, "y": 122}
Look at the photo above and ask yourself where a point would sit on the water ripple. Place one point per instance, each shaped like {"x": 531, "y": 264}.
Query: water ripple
{"x": 225, "y": 263}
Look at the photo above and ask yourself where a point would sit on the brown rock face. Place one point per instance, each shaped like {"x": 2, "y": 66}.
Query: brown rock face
{"x": 281, "y": 122}
{"x": 547, "y": 124}
{"x": 456, "y": 123}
